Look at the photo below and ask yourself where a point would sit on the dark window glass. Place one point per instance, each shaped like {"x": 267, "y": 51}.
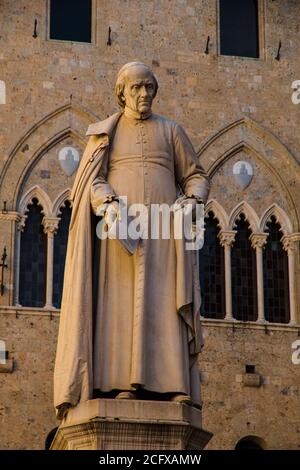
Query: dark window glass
{"x": 248, "y": 443}
{"x": 33, "y": 257}
{"x": 239, "y": 28}
{"x": 60, "y": 249}
{"x": 70, "y": 20}
{"x": 243, "y": 268}
{"x": 212, "y": 278}
{"x": 276, "y": 277}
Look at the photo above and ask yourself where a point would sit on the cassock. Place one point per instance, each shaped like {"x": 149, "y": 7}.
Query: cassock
{"x": 144, "y": 309}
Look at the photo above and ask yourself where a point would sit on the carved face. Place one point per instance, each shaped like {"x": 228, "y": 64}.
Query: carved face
{"x": 139, "y": 89}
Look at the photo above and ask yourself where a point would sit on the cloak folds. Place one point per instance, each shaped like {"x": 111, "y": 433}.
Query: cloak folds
{"x": 73, "y": 376}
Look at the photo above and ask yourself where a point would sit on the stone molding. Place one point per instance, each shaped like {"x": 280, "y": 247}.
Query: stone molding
{"x": 227, "y": 237}
{"x": 258, "y": 240}
{"x": 111, "y": 424}
{"x": 50, "y": 225}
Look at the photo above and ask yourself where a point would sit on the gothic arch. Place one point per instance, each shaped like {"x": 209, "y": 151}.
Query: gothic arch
{"x": 41, "y": 196}
{"x": 60, "y": 202}
{"x": 250, "y": 443}
{"x": 249, "y": 213}
{"x": 70, "y": 120}
{"x": 246, "y": 134}
{"x": 219, "y": 213}
{"x": 280, "y": 216}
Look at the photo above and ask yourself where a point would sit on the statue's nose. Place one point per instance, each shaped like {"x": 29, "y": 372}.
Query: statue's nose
{"x": 144, "y": 91}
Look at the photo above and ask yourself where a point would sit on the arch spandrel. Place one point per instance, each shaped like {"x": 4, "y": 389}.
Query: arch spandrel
{"x": 276, "y": 171}
{"x": 68, "y": 121}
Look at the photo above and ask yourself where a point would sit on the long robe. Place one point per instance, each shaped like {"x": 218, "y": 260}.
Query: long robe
{"x": 146, "y": 329}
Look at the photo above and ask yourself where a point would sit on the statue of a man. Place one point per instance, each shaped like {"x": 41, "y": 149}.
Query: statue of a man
{"x": 130, "y": 324}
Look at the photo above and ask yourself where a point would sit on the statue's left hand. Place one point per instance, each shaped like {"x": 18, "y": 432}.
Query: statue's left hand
{"x": 184, "y": 201}
{"x": 187, "y": 200}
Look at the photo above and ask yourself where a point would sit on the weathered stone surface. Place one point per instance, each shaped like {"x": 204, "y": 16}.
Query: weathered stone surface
{"x": 131, "y": 425}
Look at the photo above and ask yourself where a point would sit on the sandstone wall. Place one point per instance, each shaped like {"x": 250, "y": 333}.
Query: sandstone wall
{"x": 54, "y": 89}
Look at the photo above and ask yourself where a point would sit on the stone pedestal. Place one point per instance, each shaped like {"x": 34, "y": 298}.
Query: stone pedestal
{"x": 104, "y": 424}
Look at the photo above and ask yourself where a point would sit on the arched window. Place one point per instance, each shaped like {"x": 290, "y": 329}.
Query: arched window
{"x": 33, "y": 255}
{"x": 212, "y": 277}
{"x": 250, "y": 443}
{"x": 60, "y": 249}
{"x": 276, "y": 277}
{"x": 243, "y": 266}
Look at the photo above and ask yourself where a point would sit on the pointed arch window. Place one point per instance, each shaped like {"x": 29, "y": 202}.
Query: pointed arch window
{"x": 33, "y": 259}
{"x": 60, "y": 250}
{"x": 276, "y": 276}
{"x": 249, "y": 443}
{"x": 212, "y": 275}
{"x": 243, "y": 265}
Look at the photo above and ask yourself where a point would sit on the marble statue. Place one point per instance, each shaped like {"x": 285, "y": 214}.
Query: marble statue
{"x": 130, "y": 322}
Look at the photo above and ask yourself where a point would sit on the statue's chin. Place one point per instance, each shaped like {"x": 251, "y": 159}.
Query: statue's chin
{"x": 144, "y": 109}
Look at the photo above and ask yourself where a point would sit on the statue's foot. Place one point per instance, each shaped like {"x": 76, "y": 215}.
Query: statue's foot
{"x": 182, "y": 399}
{"x": 126, "y": 396}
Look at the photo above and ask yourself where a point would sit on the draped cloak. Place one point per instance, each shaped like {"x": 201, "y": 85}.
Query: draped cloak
{"x": 83, "y": 361}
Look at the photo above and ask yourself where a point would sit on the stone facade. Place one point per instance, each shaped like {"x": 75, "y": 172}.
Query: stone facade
{"x": 233, "y": 108}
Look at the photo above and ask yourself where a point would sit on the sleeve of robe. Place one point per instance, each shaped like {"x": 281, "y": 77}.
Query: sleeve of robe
{"x": 101, "y": 191}
{"x": 190, "y": 175}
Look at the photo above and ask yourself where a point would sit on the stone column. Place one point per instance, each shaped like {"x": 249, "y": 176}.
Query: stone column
{"x": 258, "y": 241}
{"x": 20, "y": 228}
{"x": 289, "y": 245}
{"x": 11, "y": 223}
{"x": 50, "y": 228}
{"x": 226, "y": 240}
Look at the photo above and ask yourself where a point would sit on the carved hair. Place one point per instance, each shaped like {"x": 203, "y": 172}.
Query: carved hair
{"x": 120, "y": 83}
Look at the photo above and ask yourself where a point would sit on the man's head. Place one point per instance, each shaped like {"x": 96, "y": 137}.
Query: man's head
{"x": 136, "y": 87}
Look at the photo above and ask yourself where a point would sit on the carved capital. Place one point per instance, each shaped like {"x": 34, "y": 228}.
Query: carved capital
{"x": 258, "y": 240}
{"x": 21, "y": 221}
{"x": 9, "y": 215}
{"x": 289, "y": 241}
{"x": 50, "y": 225}
{"x": 227, "y": 237}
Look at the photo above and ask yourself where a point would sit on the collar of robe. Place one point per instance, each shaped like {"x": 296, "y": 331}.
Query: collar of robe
{"x": 131, "y": 114}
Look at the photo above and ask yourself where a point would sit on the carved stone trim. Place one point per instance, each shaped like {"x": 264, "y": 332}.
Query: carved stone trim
{"x": 258, "y": 240}
{"x": 289, "y": 241}
{"x": 131, "y": 425}
{"x": 21, "y": 222}
{"x": 227, "y": 237}
{"x": 9, "y": 215}
{"x": 50, "y": 225}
